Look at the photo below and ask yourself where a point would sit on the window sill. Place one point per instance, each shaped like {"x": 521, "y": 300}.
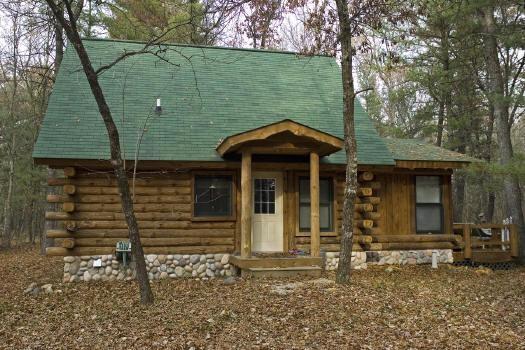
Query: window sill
{"x": 213, "y": 218}
{"x": 322, "y": 234}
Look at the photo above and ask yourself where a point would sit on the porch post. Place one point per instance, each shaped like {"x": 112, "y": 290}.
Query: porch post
{"x": 314, "y": 205}
{"x": 246, "y": 205}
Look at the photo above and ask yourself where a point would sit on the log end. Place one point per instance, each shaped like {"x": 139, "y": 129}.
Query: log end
{"x": 68, "y": 207}
{"x": 69, "y": 172}
{"x": 69, "y": 189}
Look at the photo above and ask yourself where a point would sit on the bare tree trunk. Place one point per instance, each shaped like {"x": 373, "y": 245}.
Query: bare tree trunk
{"x": 31, "y": 222}
{"x": 444, "y": 89}
{"x": 59, "y": 42}
{"x": 491, "y": 201}
{"x": 491, "y": 198}
{"x": 441, "y": 118}
{"x": 345, "y": 34}
{"x": 7, "y": 229}
{"x": 117, "y": 163}
{"x": 459, "y": 196}
{"x": 496, "y": 87}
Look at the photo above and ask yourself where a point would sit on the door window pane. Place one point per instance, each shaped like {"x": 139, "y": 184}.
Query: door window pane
{"x": 264, "y": 196}
{"x": 326, "y": 205}
{"x": 212, "y": 196}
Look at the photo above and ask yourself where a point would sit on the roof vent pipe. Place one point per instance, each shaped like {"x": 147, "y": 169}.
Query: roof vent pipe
{"x": 158, "y": 108}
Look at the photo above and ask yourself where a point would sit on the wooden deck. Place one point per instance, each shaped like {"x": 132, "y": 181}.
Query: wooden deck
{"x": 500, "y": 247}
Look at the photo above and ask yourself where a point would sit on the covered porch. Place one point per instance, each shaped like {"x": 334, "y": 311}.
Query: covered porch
{"x": 262, "y": 208}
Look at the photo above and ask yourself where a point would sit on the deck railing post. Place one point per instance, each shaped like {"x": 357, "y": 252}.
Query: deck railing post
{"x": 467, "y": 250}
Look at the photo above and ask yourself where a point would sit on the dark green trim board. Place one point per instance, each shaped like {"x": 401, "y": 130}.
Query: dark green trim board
{"x": 207, "y": 94}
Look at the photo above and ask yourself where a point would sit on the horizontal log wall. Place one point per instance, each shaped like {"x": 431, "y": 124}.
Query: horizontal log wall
{"x": 92, "y": 220}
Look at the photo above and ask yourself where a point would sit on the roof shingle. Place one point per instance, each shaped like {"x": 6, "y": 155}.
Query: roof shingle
{"x": 412, "y": 149}
{"x": 207, "y": 94}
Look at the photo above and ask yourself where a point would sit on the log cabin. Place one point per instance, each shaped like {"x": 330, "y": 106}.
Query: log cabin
{"x": 236, "y": 163}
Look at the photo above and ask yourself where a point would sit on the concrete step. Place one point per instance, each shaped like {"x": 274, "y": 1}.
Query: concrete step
{"x": 277, "y": 272}
{"x": 272, "y": 262}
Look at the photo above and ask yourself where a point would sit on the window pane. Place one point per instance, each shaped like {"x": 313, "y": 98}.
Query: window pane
{"x": 428, "y": 218}
{"x": 304, "y": 217}
{"x": 325, "y": 217}
{"x": 304, "y": 190}
{"x": 213, "y": 196}
{"x": 325, "y": 193}
{"x": 428, "y": 189}
{"x": 264, "y": 199}
{"x": 325, "y": 204}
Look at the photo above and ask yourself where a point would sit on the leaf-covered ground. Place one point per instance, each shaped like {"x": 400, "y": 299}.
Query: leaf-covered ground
{"x": 414, "y": 307}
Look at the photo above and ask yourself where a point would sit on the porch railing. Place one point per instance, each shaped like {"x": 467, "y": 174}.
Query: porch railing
{"x": 493, "y": 237}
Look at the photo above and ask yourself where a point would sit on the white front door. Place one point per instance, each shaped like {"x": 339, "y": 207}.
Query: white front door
{"x": 267, "y": 220}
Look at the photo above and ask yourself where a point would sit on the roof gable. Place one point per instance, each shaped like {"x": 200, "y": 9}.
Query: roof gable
{"x": 206, "y": 93}
{"x": 286, "y": 130}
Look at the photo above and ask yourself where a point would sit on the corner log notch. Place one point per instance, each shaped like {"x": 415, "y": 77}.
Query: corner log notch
{"x": 367, "y": 216}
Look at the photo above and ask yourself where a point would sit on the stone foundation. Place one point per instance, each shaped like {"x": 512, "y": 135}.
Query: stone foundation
{"x": 408, "y": 257}
{"x": 205, "y": 266}
{"x": 358, "y": 261}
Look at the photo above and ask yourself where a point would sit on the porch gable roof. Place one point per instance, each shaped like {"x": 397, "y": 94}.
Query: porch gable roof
{"x": 296, "y": 138}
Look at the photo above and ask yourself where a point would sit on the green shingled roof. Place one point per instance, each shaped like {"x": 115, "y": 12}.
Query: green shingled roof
{"x": 207, "y": 94}
{"x": 410, "y": 149}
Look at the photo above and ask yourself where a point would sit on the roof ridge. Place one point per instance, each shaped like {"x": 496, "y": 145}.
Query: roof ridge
{"x": 284, "y": 52}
